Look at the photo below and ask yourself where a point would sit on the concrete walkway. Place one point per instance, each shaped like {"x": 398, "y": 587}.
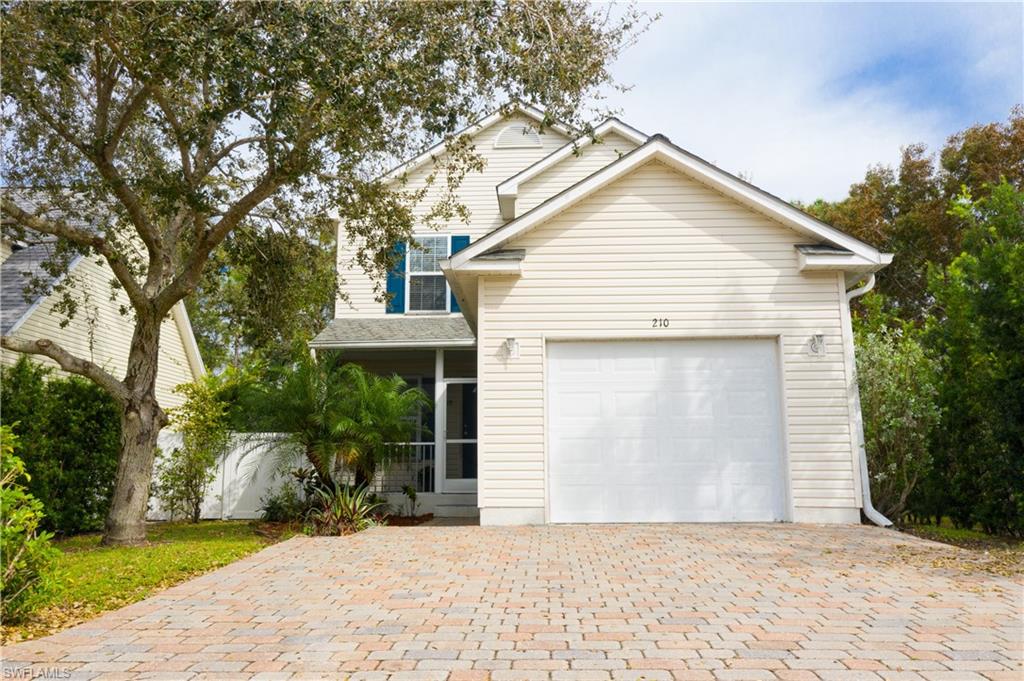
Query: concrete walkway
{"x": 563, "y": 602}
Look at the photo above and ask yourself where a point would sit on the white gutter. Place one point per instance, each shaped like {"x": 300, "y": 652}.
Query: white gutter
{"x": 865, "y": 481}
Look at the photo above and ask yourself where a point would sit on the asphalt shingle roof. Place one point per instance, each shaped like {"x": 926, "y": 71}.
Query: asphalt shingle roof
{"x": 22, "y": 266}
{"x": 397, "y": 331}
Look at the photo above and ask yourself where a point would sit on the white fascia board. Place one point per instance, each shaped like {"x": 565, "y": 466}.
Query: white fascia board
{"x": 473, "y": 129}
{"x": 503, "y": 267}
{"x": 841, "y": 262}
{"x": 508, "y": 190}
{"x": 328, "y": 345}
{"x": 658, "y": 148}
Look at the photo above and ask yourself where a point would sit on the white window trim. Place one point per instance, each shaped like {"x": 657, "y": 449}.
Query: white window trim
{"x": 409, "y": 274}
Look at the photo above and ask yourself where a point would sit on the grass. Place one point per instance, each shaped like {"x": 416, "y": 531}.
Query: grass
{"x": 90, "y": 579}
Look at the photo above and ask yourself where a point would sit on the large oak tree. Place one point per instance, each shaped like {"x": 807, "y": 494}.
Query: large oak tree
{"x": 152, "y": 131}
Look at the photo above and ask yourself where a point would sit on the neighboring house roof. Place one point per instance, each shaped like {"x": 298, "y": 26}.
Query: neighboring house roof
{"x": 24, "y": 265}
{"x": 396, "y": 332}
{"x": 473, "y": 129}
{"x": 659, "y": 148}
{"x": 508, "y": 190}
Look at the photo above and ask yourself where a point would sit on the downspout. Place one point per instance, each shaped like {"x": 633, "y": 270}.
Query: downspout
{"x": 865, "y": 481}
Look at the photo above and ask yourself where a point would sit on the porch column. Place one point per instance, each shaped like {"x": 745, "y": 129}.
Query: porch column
{"x": 440, "y": 419}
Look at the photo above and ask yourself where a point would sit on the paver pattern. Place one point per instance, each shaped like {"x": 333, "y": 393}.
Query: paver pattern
{"x": 789, "y": 602}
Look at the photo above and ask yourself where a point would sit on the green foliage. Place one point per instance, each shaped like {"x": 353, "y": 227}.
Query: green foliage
{"x": 70, "y": 434}
{"x": 26, "y": 556}
{"x": 978, "y": 334}
{"x": 293, "y": 499}
{"x": 898, "y": 388}
{"x": 185, "y": 475}
{"x": 337, "y": 415}
{"x": 343, "y": 510}
{"x": 264, "y": 290}
{"x": 375, "y": 413}
{"x": 283, "y": 506}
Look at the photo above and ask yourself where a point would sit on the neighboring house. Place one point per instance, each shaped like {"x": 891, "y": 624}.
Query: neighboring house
{"x": 98, "y": 332}
{"x": 621, "y": 332}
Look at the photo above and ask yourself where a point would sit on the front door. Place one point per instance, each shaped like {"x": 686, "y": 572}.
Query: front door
{"x": 460, "y": 435}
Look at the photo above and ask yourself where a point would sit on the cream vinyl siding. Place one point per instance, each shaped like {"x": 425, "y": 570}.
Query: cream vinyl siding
{"x": 656, "y": 244}
{"x": 111, "y": 334}
{"x": 571, "y": 170}
{"x": 477, "y": 193}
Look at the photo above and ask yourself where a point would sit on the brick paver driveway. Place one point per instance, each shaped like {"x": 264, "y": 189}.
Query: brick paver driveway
{"x": 572, "y": 602}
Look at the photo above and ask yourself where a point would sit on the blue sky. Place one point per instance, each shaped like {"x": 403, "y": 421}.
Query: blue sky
{"x": 802, "y": 98}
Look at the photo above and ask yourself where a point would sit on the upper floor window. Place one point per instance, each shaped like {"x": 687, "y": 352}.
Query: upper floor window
{"x": 427, "y": 288}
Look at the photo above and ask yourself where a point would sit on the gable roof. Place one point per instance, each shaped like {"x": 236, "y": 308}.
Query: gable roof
{"x": 472, "y": 129}
{"x": 22, "y": 266}
{"x": 508, "y": 190}
{"x": 659, "y": 148}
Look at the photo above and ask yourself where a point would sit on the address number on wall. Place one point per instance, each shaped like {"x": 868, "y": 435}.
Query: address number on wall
{"x": 659, "y": 323}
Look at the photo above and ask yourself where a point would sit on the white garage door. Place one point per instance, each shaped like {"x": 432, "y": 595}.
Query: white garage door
{"x": 665, "y": 431}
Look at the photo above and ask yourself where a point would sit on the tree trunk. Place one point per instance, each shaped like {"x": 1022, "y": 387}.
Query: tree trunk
{"x": 326, "y": 480}
{"x": 362, "y": 479}
{"x": 141, "y": 421}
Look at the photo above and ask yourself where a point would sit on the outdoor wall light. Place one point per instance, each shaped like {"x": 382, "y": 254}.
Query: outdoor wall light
{"x": 511, "y": 348}
{"x": 816, "y": 346}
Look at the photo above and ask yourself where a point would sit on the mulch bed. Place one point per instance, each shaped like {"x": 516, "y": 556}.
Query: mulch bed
{"x": 406, "y": 520}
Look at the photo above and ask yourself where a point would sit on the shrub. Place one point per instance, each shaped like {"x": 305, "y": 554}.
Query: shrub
{"x": 69, "y": 430}
{"x": 184, "y": 477}
{"x": 285, "y": 505}
{"x": 343, "y": 510}
{"x": 978, "y": 334}
{"x": 898, "y": 388}
{"x": 26, "y": 555}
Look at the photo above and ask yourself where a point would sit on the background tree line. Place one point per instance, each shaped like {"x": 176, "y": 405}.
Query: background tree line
{"x": 941, "y": 343}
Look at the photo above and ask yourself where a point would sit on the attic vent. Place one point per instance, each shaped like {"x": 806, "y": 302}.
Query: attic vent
{"x": 517, "y": 136}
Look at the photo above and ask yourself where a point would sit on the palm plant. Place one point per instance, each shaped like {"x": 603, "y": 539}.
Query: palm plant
{"x": 376, "y": 415}
{"x": 335, "y": 414}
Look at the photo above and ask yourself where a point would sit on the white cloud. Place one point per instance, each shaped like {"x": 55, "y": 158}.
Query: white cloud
{"x": 804, "y": 98}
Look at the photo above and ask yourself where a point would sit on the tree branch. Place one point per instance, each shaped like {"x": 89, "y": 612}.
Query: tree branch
{"x": 82, "y": 237}
{"x": 223, "y": 152}
{"x": 135, "y": 105}
{"x": 68, "y": 362}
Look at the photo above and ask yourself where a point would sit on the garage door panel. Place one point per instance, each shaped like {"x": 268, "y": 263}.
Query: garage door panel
{"x": 634, "y": 403}
{"x": 688, "y": 404}
{"x": 668, "y": 431}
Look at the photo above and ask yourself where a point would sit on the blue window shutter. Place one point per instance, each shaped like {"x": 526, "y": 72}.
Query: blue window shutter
{"x": 396, "y": 282}
{"x": 458, "y": 243}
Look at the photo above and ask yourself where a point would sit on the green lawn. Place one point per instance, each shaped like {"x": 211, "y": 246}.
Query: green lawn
{"x": 90, "y": 579}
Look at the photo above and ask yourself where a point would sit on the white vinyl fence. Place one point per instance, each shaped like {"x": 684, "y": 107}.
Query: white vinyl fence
{"x": 246, "y": 476}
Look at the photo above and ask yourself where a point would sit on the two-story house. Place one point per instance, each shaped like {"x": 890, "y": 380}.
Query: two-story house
{"x": 621, "y": 332}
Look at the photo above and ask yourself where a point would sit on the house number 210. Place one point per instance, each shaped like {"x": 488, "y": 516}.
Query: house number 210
{"x": 659, "y": 323}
